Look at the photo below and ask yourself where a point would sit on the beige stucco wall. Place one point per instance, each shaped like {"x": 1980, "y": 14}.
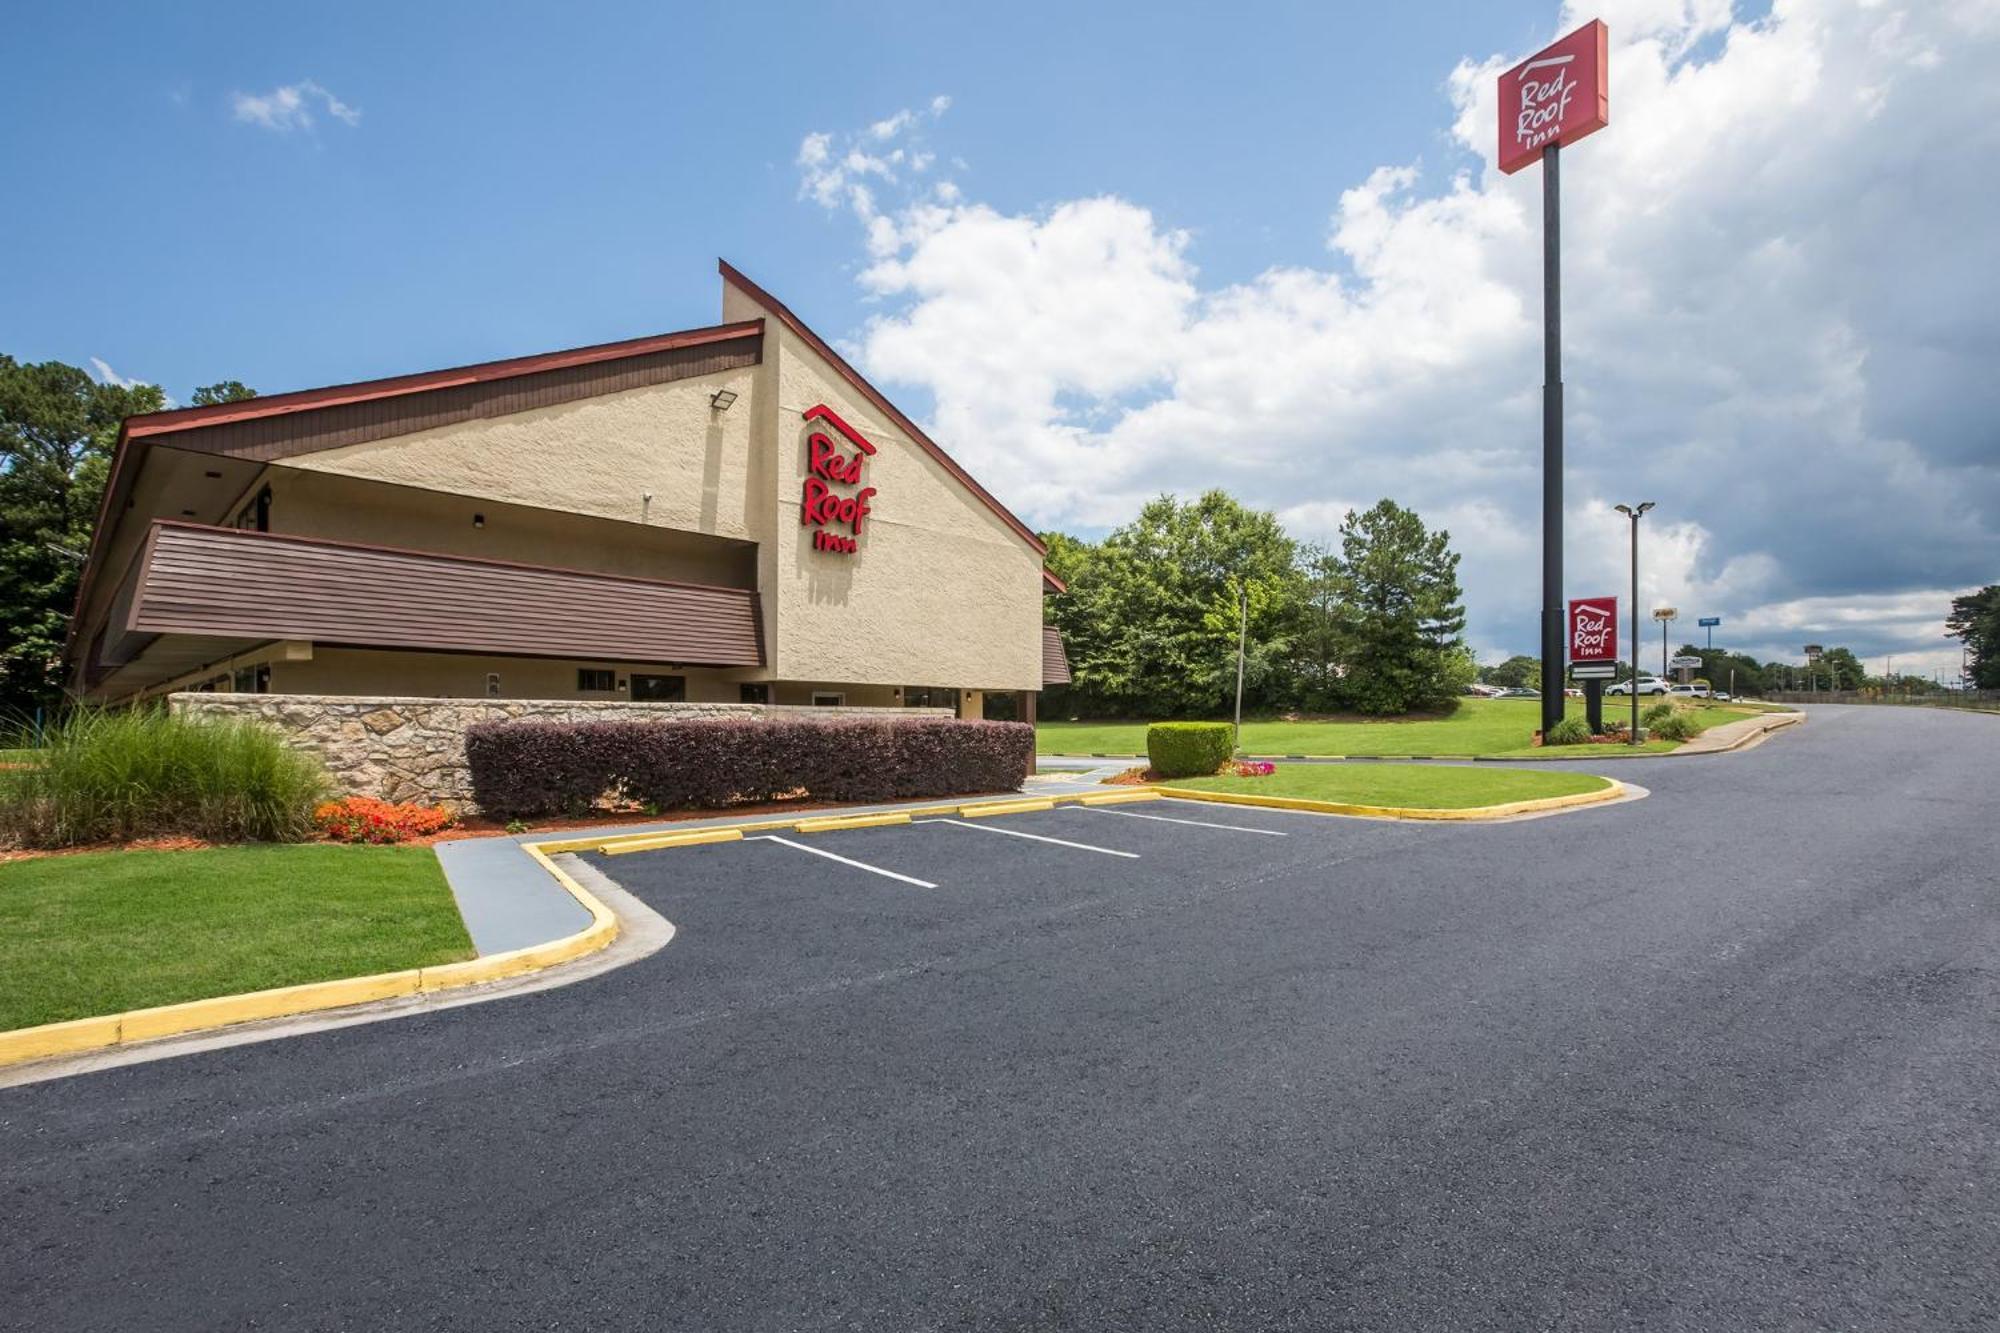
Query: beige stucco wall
{"x": 942, "y": 590}
{"x": 360, "y": 671}
{"x": 598, "y": 456}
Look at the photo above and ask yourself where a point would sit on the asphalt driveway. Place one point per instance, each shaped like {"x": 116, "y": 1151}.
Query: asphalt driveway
{"x": 1724, "y": 1058}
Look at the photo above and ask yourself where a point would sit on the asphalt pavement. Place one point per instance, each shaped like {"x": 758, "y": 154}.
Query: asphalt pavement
{"x": 1725, "y": 1058}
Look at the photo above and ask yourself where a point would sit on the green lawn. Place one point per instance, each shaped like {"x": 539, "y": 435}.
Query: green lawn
{"x": 102, "y": 932}
{"x": 1420, "y": 786}
{"x": 1479, "y": 726}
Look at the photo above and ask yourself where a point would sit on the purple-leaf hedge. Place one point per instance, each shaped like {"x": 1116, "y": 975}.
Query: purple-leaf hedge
{"x": 552, "y": 768}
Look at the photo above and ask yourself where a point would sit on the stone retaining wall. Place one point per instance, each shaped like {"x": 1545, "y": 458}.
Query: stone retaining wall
{"x": 405, "y": 749}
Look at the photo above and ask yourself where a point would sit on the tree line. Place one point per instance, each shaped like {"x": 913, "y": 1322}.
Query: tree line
{"x": 1371, "y": 623}
{"x": 58, "y": 427}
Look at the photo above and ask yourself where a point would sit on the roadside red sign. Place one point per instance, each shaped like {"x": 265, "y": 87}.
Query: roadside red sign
{"x": 1593, "y": 629}
{"x": 1555, "y": 96}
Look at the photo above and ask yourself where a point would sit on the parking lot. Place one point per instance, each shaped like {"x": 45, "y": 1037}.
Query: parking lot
{"x": 1723, "y": 1058}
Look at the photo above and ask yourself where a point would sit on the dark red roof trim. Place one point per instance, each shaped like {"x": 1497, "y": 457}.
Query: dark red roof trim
{"x": 337, "y": 395}
{"x": 875, "y": 396}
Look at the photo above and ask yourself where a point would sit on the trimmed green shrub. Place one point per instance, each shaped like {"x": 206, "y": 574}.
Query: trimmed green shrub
{"x": 1673, "y": 727}
{"x": 1569, "y": 731}
{"x": 1189, "y": 749}
{"x": 1657, "y": 713}
{"x": 548, "y": 768}
{"x": 106, "y": 777}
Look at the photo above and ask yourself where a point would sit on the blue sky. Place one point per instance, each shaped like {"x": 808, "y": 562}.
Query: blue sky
{"x": 516, "y": 184}
{"x": 1105, "y": 251}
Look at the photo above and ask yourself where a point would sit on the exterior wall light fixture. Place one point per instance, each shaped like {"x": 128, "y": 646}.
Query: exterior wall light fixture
{"x": 479, "y": 520}
{"x": 721, "y": 399}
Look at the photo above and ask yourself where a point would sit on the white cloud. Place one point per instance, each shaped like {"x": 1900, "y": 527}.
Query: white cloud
{"x": 842, "y": 171}
{"x": 1779, "y": 268}
{"x": 290, "y": 107}
{"x": 106, "y": 375}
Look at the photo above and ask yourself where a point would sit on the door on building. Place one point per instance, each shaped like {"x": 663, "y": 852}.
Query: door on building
{"x": 659, "y": 689}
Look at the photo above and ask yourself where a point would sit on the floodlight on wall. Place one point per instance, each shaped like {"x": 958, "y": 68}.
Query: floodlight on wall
{"x": 721, "y": 399}
{"x": 479, "y": 520}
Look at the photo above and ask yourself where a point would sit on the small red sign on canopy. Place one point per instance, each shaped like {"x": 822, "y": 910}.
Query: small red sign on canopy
{"x": 1555, "y": 96}
{"x": 1593, "y": 629}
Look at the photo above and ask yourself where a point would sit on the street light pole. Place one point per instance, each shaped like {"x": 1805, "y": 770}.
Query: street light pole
{"x": 1635, "y": 515}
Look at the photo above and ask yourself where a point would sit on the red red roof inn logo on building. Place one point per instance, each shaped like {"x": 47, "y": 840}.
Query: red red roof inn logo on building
{"x": 828, "y": 465}
{"x": 1593, "y": 629}
{"x": 1555, "y": 96}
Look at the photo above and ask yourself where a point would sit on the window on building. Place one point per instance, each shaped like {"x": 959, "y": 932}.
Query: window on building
{"x": 253, "y": 679}
{"x": 493, "y": 685}
{"x": 754, "y": 693}
{"x": 659, "y": 689}
{"x": 599, "y": 680}
{"x": 828, "y": 699}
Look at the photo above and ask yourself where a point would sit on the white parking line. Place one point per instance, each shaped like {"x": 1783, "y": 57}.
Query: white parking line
{"x": 858, "y": 865}
{"x": 1169, "y": 819}
{"x": 1033, "y": 837}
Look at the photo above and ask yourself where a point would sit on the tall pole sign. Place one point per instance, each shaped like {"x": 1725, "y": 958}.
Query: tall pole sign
{"x": 1554, "y": 97}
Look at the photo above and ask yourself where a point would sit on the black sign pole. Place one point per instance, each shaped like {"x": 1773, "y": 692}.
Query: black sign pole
{"x": 1552, "y": 443}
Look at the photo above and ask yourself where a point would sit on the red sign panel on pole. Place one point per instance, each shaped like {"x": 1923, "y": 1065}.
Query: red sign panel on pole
{"x": 1593, "y": 629}
{"x": 1555, "y": 96}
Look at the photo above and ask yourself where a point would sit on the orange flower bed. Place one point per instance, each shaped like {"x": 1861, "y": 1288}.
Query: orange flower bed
{"x": 365, "y": 819}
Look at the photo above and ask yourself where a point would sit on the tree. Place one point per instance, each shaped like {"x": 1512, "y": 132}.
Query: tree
{"x": 1150, "y": 621}
{"x": 1513, "y": 673}
{"x": 1717, "y": 664}
{"x": 57, "y": 430}
{"x": 1401, "y": 617}
{"x": 222, "y": 391}
{"x": 1318, "y": 656}
{"x": 1975, "y": 620}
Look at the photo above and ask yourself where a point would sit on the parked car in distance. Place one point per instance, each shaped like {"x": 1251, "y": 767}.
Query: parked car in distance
{"x": 1647, "y": 685}
{"x": 1722, "y": 696}
{"x": 1479, "y": 691}
{"x": 1519, "y": 692}
{"x": 1572, "y": 692}
{"x": 1694, "y": 691}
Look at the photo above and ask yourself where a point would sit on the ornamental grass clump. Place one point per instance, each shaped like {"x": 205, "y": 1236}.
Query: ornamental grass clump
{"x": 139, "y": 773}
{"x": 1569, "y": 731}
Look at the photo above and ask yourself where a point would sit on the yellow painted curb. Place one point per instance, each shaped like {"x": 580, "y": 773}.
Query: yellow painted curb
{"x": 169, "y": 1020}
{"x": 647, "y": 842}
{"x": 1474, "y": 813}
{"x": 835, "y": 823}
{"x": 991, "y": 808}
{"x": 1120, "y": 797}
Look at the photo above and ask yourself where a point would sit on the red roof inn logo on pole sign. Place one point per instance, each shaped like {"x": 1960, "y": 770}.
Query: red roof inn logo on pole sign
{"x": 1555, "y": 96}
{"x": 1593, "y": 629}
{"x": 820, "y": 506}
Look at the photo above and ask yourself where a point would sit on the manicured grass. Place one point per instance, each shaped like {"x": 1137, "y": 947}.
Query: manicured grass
{"x": 1479, "y": 726}
{"x": 101, "y": 932}
{"x": 1418, "y": 786}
